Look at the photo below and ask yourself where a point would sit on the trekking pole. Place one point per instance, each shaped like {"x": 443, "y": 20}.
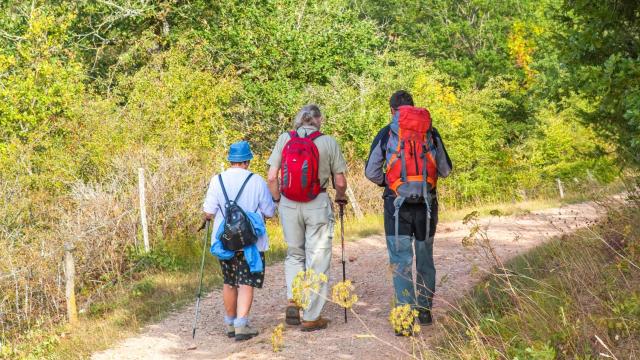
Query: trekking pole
{"x": 344, "y": 273}
{"x": 199, "y": 295}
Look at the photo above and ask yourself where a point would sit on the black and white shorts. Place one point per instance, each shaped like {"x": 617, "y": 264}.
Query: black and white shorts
{"x": 236, "y": 271}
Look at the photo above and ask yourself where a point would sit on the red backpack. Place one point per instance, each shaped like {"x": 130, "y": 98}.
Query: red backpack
{"x": 299, "y": 171}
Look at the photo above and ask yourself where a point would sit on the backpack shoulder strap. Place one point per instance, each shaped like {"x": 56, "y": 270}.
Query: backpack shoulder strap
{"x": 242, "y": 187}
{"x": 431, "y": 141}
{"x": 394, "y": 124}
{"x": 293, "y": 134}
{"x": 224, "y": 191}
{"x": 314, "y": 135}
{"x": 384, "y": 139}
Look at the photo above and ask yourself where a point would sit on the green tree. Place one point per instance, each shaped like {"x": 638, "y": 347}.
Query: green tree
{"x": 41, "y": 89}
{"x": 175, "y": 103}
{"x": 281, "y": 47}
{"x": 465, "y": 39}
{"x": 601, "y": 49}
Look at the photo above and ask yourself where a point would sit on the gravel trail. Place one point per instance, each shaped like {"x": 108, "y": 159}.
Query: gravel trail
{"x": 457, "y": 270}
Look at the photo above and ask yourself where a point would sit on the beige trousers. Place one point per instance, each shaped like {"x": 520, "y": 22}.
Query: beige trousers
{"x": 308, "y": 231}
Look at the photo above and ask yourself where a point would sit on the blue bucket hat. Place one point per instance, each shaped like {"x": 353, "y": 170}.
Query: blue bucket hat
{"x": 240, "y": 152}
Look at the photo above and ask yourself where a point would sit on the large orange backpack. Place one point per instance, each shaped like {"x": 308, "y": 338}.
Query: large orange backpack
{"x": 410, "y": 157}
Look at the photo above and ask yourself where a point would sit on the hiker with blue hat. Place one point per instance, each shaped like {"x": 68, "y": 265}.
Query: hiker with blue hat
{"x": 238, "y": 201}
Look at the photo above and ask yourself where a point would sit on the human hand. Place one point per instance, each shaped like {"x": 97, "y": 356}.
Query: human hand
{"x": 205, "y": 217}
{"x": 342, "y": 201}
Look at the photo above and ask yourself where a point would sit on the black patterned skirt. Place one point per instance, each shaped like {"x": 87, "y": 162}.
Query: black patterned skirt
{"x": 236, "y": 271}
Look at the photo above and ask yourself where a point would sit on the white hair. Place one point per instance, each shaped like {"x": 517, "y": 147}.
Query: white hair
{"x": 308, "y": 115}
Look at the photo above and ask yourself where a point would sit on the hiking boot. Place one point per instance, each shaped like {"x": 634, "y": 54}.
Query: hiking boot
{"x": 424, "y": 316}
{"x": 292, "y": 314}
{"x": 230, "y": 331}
{"x": 317, "y": 324}
{"x": 407, "y": 332}
{"x": 245, "y": 332}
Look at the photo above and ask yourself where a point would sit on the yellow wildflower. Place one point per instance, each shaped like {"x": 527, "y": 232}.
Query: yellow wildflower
{"x": 341, "y": 294}
{"x": 277, "y": 338}
{"x": 304, "y": 284}
{"x": 403, "y": 320}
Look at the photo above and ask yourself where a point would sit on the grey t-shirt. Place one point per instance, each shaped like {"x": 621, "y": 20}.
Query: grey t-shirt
{"x": 331, "y": 158}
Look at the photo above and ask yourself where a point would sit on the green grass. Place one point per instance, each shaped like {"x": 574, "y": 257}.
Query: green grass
{"x": 506, "y": 209}
{"x": 556, "y": 301}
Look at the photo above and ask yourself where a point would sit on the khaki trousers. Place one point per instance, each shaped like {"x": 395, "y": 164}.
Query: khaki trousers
{"x": 308, "y": 231}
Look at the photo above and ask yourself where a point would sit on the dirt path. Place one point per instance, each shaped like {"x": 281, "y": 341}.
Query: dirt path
{"x": 170, "y": 338}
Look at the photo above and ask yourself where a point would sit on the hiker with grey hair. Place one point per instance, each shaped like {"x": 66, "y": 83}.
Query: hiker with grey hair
{"x": 302, "y": 164}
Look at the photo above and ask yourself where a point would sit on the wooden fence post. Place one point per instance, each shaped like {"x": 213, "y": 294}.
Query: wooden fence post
{"x": 560, "y": 188}
{"x": 143, "y": 209}
{"x": 70, "y": 287}
{"x": 354, "y": 203}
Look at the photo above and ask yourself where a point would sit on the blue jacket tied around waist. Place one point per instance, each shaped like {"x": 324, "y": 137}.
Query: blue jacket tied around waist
{"x": 251, "y": 253}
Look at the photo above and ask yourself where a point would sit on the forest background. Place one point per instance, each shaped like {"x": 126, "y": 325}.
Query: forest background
{"x": 523, "y": 93}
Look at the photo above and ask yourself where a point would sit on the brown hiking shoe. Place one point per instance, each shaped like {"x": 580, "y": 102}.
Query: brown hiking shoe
{"x": 292, "y": 314}
{"x": 317, "y": 324}
{"x": 231, "y": 331}
{"x": 245, "y": 333}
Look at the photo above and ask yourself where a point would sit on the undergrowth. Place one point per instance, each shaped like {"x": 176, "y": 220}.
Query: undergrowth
{"x": 163, "y": 280}
{"x": 577, "y": 296}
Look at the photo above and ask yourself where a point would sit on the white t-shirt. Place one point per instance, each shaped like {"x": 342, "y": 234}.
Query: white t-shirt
{"x": 255, "y": 197}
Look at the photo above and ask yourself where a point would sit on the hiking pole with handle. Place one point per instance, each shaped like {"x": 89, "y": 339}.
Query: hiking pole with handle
{"x": 205, "y": 225}
{"x": 344, "y": 272}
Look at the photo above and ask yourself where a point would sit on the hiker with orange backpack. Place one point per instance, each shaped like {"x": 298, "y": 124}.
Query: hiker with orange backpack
{"x": 302, "y": 165}
{"x": 406, "y": 158}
